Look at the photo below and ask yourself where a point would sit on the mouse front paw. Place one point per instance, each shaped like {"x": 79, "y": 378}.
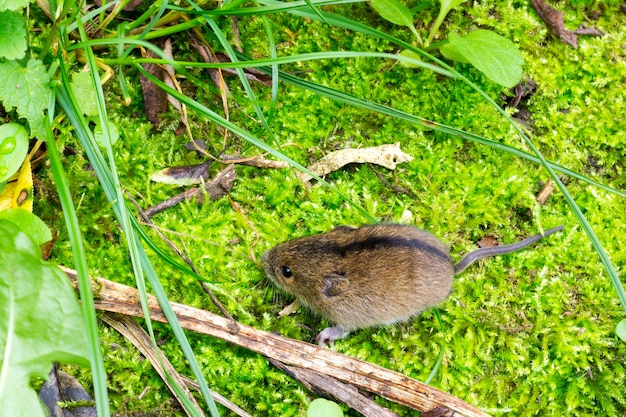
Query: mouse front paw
{"x": 329, "y": 335}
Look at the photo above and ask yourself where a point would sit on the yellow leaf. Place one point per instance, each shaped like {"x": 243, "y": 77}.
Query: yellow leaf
{"x": 23, "y": 195}
{"x": 18, "y": 192}
{"x": 6, "y": 196}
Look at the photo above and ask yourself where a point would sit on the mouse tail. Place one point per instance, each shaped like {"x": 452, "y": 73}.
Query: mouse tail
{"x": 474, "y": 256}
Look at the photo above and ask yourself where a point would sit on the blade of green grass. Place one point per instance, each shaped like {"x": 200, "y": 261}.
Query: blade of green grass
{"x": 263, "y": 10}
{"x": 271, "y": 44}
{"x": 216, "y": 118}
{"x": 112, "y": 189}
{"x": 355, "y": 26}
{"x": 217, "y": 32}
{"x": 68, "y": 104}
{"x": 80, "y": 264}
{"x": 392, "y": 112}
{"x": 255, "y": 63}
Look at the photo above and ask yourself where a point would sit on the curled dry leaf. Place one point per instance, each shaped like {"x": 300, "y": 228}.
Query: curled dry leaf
{"x": 385, "y": 155}
{"x": 183, "y": 175}
{"x": 216, "y": 188}
{"x": 290, "y": 309}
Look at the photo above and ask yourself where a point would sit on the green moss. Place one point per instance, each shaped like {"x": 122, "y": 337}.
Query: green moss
{"x": 529, "y": 333}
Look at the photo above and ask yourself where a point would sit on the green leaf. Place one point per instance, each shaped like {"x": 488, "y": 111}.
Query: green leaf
{"x": 323, "y": 408}
{"x": 100, "y": 138}
{"x": 393, "y": 11}
{"x": 447, "y": 5}
{"x": 83, "y": 87}
{"x": 452, "y": 51}
{"x": 497, "y": 57}
{"x": 444, "y": 9}
{"x": 620, "y": 330}
{"x": 40, "y": 321}
{"x": 28, "y": 90}
{"x": 12, "y": 35}
{"x": 13, "y": 149}
{"x": 13, "y": 4}
{"x": 28, "y": 223}
{"x": 410, "y": 54}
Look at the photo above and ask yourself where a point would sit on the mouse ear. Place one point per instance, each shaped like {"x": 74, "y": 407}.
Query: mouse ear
{"x": 334, "y": 284}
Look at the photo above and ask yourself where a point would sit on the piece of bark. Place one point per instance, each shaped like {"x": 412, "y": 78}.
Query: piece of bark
{"x": 387, "y": 156}
{"x": 553, "y": 18}
{"x": 215, "y": 188}
{"x": 391, "y": 385}
{"x": 326, "y": 386}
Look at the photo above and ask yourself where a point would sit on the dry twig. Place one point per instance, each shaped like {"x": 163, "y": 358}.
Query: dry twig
{"x": 363, "y": 375}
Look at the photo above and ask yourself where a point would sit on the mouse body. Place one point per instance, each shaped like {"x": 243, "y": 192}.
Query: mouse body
{"x": 370, "y": 275}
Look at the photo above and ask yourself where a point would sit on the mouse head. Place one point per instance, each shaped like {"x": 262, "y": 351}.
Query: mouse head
{"x": 306, "y": 267}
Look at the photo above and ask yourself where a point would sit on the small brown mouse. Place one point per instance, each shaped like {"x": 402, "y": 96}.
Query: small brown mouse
{"x": 371, "y": 275}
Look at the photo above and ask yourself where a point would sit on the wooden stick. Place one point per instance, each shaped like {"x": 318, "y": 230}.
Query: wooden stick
{"x": 393, "y": 386}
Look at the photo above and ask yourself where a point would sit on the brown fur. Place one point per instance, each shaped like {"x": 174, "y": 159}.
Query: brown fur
{"x": 372, "y": 275}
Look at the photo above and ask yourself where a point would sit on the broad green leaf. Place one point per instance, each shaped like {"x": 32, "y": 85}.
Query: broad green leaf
{"x": 28, "y": 90}
{"x": 393, "y": 11}
{"x": 323, "y": 408}
{"x": 12, "y": 35}
{"x": 452, "y": 51}
{"x": 13, "y": 4}
{"x": 28, "y": 223}
{"x": 13, "y": 149}
{"x": 40, "y": 321}
{"x": 497, "y": 57}
{"x": 621, "y": 330}
{"x": 83, "y": 87}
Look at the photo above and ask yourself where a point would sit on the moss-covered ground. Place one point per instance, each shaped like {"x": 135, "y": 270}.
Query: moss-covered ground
{"x": 531, "y": 333}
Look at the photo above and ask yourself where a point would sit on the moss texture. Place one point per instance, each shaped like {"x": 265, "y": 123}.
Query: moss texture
{"x": 526, "y": 334}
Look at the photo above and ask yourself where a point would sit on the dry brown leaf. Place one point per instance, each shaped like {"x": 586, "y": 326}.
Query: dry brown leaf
{"x": 290, "y": 309}
{"x": 154, "y": 98}
{"x": 387, "y": 156}
{"x": 216, "y": 188}
{"x": 487, "y": 242}
{"x": 553, "y": 18}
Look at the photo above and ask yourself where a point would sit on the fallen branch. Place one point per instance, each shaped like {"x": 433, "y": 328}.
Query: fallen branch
{"x": 363, "y": 375}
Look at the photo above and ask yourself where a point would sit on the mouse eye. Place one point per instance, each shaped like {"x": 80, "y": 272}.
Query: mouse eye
{"x": 286, "y": 272}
